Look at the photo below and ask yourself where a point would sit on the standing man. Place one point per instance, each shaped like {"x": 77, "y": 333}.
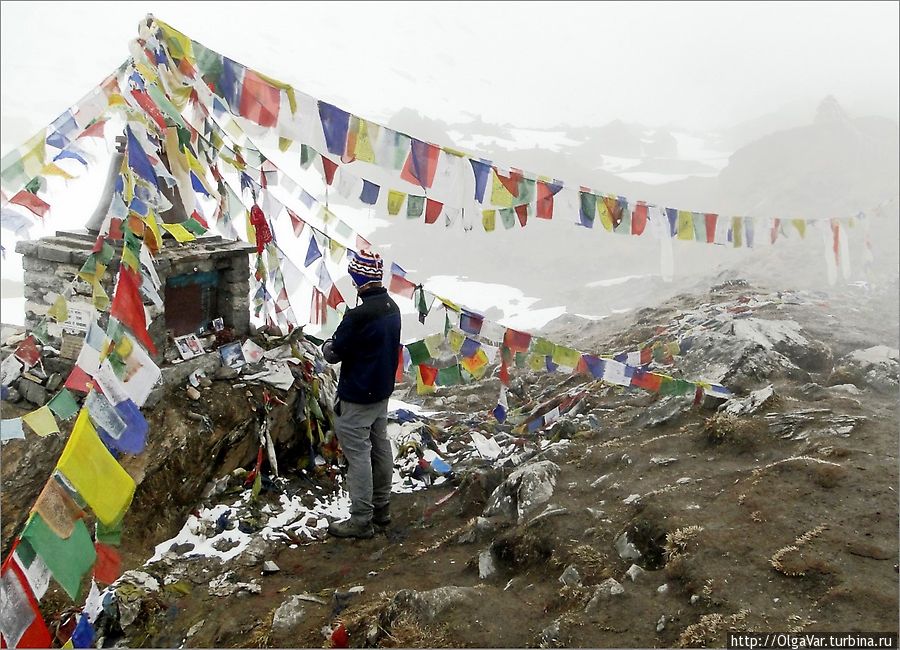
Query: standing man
{"x": 366, "y": 344}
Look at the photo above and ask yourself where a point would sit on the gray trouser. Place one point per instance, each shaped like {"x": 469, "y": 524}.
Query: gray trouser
{"x": 362, "y": 431}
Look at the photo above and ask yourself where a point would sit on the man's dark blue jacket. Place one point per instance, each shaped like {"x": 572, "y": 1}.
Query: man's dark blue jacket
{"x": 367, "y": 343}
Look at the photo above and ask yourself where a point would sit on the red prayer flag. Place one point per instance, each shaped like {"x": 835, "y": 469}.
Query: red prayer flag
{"x": 95, "y": 130}
{"x": 296, "y": 222}
{"x": 398, "y": 377}
{"x": 259, "y": 100}
{"x": 330, "y": 167}
{"x": 78, "y": 380}
{"x": 522, "y": 213}
{"x": 27, "y": 352}
{"x": 401, "y": 286}
{"x": 334, "y": 297}
{"x": 516, "y": 341}
{"x": 711, "y": 227}
{"x": 108, "y": 566}
{"x": 639, "y": 218}
{"x": 36, "y": 635}
{"x": 776, "y": 225}
{"x": 128, "y": 308}
{"x": 432, "y": 210}
{"x": 146, "y": 102}
{"x": 646, "y": 380}
{"x": 421, "y": 163}
{"x": 31, "y": 201}
{"x": 429, "y": 374}
{"x": 511, "y": 182}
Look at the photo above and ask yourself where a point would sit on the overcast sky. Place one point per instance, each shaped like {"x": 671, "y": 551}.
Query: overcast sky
{"x": 702, "y": 65}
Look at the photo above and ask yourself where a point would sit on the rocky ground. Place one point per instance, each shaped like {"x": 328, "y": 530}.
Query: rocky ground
{"x": 635, "y": 520}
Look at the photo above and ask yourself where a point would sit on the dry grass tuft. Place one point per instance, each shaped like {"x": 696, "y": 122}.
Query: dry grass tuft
{"x": 777, "y": 559}
{"x": 708, "y": 629}
{"x": 743, "y": 433}
{"x": 678, "y": 540}
{"x": 593, "y": 563}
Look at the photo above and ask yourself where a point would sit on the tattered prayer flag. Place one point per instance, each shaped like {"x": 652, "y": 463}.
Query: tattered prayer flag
{"x": 588, "y": 207}
{"x": 69, "y": 560}
{"x": 260, "y": 101}
{"x": 401, "y": 286}
{"x": 425, "y": 378}
{"x": 32, "y": 202}
{"x": 138, "y": 160}
{"x": 489, "y": 220}
{"x": 615, "y": 208}
{"x": 369, "y": 194}
{"x": 481, "y": 169}
{"x": 41, "y": 421}
{"x": 415, "y": 205}
{"x": 563, "y": 356}
{"x": 335, "y": 124}
{"x": 88, "y": 466}
{"x": 421, "y": 164}
{"x": 432, "y": 210}
{"x": 128, "y": 308}
{"x": 395, "y": 202}
{"x": 63, "y": 405}
{"x": 58, "y": 510}
{"x": 28, "y": 352}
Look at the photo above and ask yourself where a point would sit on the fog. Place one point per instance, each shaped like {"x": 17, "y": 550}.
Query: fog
{"x": 702, "y": 66}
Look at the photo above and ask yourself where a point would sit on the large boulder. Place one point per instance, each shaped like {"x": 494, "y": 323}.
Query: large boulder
{"x": 878, "y": 367}
{"x": 524, "y": 490}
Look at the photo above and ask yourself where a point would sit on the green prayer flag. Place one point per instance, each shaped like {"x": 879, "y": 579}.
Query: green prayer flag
{"x": 209, "y": 63}
{"x": 508, "y": 217}
{"x": 526, "y": 191}
{"x": 418, "y": 352}
{"x": 63, "y": 405}
{"x": 670, "y": 386}
{"x": 414, "y": 206}
{"x": 307, "y": 155}
{"x": 521, "y": 359}
{"x": 449, "y": 376}
{"x": 68, "y": 559}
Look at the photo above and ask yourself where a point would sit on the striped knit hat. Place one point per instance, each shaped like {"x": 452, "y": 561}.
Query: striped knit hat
{"x": 365, "y": 267}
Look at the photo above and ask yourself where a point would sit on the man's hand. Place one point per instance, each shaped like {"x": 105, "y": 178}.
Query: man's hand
{"x": 329, "y": 353}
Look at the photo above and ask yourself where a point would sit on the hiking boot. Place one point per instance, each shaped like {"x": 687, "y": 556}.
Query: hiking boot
{"x": 351, "y": 528}
{"x": 382, "y": 516}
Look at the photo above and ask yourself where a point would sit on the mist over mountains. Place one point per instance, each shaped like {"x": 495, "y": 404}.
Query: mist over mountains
{"x": 830, "y": 165}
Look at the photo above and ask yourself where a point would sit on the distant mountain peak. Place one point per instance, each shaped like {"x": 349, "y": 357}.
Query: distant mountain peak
{"x": 830, "y": 111}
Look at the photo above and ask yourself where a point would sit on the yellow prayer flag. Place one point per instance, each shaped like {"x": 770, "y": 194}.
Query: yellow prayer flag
{"x": 284, "y": 144}
{"x": 421, "y": 387}
{"x": 41, "y": 421}
{"x": 537, "y": 362}
{"x": 91, "y": 469}
{"x": 685, "y": 225}
{"x": 180, "y": 46}
{"x": 456, "y": 339}
{"x": 433, "y": 343}
{"x": 563, "y": 356}
{"x": 603, "y": 212}
{"x": 737, "y": 231}
{"x": 116, "y": 99}
{"x": 52, "y": 169}
{"x": 363, "y": 149}
{"x": 148, "y": 73}
{"x": 60, "y": 310}
{"x": 499, "y": 194}
{"x": 489, "y": 220}
{"x": 452, "y": 306}
{"x": 337, "y": 250}
{"x": 182, "y": 234}
{"x": 99, "y": 296}
{"x": 234, "y": 130}
{"x": 476, "y": 365}
{"x": 395, "y": 202}
{"x": 800, "y": 225}
{"x": 130, "y": 260}
{"x": 35, "y": 154}
{"x": 153, "y": 228}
